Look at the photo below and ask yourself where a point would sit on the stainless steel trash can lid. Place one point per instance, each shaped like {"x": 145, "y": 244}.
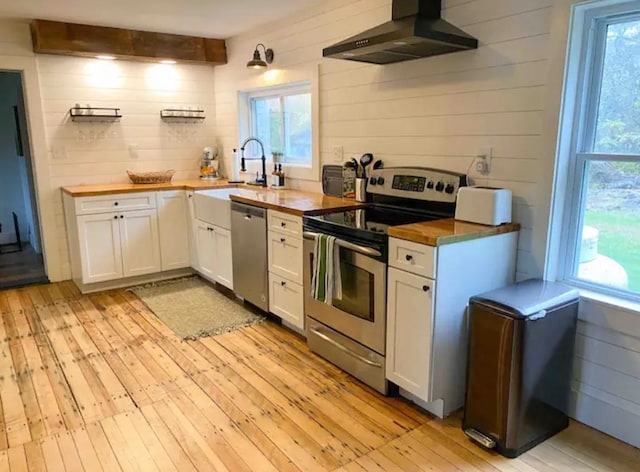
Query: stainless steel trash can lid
{"x": 530, "y": 298}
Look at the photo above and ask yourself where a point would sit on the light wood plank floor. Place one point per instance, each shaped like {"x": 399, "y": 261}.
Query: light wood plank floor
{"x": 97, "y": 383}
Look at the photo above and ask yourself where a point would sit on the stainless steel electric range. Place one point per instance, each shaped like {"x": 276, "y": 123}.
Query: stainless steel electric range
{"x": 351, "y": 331}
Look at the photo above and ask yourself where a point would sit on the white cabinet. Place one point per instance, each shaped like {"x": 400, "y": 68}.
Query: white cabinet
{"x": 285, "y": 256}
{"x": 100, "y": 253}
{"x": 131, "y": 236}
{"x": 286, "y": 300}
{"x": 116, "y": 202}
{"x": 206, "y": 249}
{"x": 286, "y": 293}
{"x": 191, "y": 229}
{"x": 116, "y": 245}
{"x": 409, "y": 331}
{"x": 214, "y": 253}
{"x": 139, "y": 242}
{"x": 428, "y": 290}
{"x": 223, "y": 272}
{"x": 173, "y": 226}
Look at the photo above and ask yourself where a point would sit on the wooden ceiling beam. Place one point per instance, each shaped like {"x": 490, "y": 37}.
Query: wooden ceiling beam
{"x": 71, "y": 39}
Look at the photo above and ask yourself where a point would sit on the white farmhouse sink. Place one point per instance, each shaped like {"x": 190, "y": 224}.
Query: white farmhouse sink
{"x": 214, "y": 207}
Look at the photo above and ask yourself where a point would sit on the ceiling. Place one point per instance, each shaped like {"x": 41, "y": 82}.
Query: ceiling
{"x": 207, "y": 18}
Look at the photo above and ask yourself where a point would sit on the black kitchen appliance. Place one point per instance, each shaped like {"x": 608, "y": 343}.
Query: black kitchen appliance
{"x": 519, "y": 365}
{"x": 332, "y": 182}
{"x": 416, "y": 30}
{"x": 351, "y": 331}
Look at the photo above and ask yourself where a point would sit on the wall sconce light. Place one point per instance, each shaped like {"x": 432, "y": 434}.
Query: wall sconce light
{"x": 257, "y": 62}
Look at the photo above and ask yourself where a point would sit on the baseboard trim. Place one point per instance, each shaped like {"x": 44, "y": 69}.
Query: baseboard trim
{"x": 610, "y": 419}
{"x": 131, "y": 281}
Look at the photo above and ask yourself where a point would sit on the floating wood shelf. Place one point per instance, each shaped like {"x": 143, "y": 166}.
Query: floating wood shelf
{"x": 91, "y": 114}
{"x": 182, "y": 115}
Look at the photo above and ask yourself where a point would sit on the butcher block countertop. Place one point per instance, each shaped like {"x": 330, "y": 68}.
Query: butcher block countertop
{"x": 294, "y": 202}
{"x": 111, "y": 189}
{"x": 447, "y": 231}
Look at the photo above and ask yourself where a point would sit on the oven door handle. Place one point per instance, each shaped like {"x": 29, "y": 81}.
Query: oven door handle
{"x": 344, "y": 349}
{"x": 367, "y": 251}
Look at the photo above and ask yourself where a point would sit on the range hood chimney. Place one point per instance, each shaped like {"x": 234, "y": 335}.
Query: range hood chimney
{"x": 415, "y": 30}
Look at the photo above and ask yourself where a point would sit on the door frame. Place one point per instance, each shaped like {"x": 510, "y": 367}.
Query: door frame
{"x": 46, "y": 194}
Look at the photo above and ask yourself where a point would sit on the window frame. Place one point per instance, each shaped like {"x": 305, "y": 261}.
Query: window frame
{"x": 591, "y": 67}
{"x": 280, "y": 92}
{"x": 270, "y": 79}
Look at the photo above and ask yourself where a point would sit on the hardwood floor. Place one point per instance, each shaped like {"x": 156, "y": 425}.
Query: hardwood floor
{"x": 98, "y": 383}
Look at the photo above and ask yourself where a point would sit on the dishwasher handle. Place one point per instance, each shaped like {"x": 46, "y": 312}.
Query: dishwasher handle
{"x": 249, "y": 211}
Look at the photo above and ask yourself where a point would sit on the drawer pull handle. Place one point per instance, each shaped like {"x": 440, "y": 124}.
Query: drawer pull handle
{"x": 115, "y": 203}
{"x": 408, "y": 257}
{"x": 426, "y": 288}
{"x": 283, "y": 283}
{"x": 115, "y": 217}
{"x": 121, "y": 216}
{"x": 282, "y": 240}
{"x": 283, "y": 224}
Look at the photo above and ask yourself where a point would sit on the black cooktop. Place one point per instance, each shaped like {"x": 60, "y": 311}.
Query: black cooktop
{"x": 367, "y": 224}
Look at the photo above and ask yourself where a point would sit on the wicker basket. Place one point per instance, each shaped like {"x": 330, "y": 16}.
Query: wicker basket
{"x": 160, "y": 177}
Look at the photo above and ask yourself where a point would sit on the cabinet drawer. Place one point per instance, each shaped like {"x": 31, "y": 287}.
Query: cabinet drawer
{"x": 285, "y": 256}
{"x": 284, "y": 223}
{"x": 286, "y": 300}
{"x": 120, "y": 202}
{"x": 412, "y": 257}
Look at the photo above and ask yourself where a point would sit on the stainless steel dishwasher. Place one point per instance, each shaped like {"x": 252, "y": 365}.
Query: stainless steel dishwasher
{"x": 249, "y": 248}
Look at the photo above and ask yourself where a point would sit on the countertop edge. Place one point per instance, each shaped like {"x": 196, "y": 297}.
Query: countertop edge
{"x": 348, "y": 205}
{"x": 74, "y": 192}
{"x": 195, "y": 185}
{"x": 407, "y": 234}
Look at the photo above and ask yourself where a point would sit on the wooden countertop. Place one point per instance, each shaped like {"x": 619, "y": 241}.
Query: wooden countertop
{"x": 110, "y": 189}
{"x": 293, "y": 201}
{"x": 447, "y": 231}
{"x": 289, "y": 201}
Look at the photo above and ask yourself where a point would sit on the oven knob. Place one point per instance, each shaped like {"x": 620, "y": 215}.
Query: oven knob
{"x": 439, "y": 187}
{"x": 430, "y": 184}
{"x": 373, "y": 181}
{"x": 380, "y": 180}
{"x": 450, "y": 188}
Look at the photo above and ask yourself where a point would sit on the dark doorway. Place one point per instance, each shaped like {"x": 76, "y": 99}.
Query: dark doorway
{"x": 21, "y": 258}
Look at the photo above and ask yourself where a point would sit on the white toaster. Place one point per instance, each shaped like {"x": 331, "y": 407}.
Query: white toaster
{"x": 484, "y": 205}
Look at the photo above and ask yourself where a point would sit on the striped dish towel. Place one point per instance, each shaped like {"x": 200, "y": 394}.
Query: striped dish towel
{"x": 326, "y": 283}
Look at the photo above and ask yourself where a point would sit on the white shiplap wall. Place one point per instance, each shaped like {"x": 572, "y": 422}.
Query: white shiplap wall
{"x": 91, "y": 153}
{"x": 438, "y": 112}
{"x": 433, "y": 112}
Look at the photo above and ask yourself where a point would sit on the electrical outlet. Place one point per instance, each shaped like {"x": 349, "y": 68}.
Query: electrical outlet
{"x": 338, "y": 154}
{"x": 483, "y": 160}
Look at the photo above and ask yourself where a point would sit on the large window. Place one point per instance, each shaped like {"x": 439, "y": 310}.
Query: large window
{"x": 281, "y": 118}
{"x": 602, "y": 224}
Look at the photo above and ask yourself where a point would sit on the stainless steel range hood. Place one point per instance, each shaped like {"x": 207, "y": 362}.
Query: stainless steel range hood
{"x": 416, "y": 30}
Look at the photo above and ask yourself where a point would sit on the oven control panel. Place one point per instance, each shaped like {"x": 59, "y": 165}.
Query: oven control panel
{"x": 420, "y": 183}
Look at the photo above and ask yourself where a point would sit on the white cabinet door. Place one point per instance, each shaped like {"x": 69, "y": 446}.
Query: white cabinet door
{"x": 100, "y": 255}
{"x": 191, "y": 218}
{"x": 223, "y": 261}
{"x": 140, "y": 242}
{"x": 206, "y": 249}
{"x": 409, "y": 331}
{"x": 174, "y": 230}
{"x": 285, "y": 256}
{"x": 286, "y": 299}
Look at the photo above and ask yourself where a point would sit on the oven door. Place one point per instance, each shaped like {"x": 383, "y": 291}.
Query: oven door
{"x": 361, "y": 312}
